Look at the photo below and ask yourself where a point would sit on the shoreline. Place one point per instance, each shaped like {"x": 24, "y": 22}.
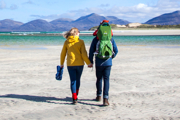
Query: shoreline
{"x": 146, "y": 32}
{"x": 138, "y": 32}
{"x": 46, "y": 47}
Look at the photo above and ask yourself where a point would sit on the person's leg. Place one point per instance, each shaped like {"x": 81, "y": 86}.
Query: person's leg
{"x": 79, "y": 71}
{"x": 72, "y": 75}
{"x": 99, "y": 81}
{"x": 106, "y": 75}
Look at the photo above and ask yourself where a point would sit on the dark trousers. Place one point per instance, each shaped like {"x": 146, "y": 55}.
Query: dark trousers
{"x": 75, "y": 76}
{"x": 103, "y": 73}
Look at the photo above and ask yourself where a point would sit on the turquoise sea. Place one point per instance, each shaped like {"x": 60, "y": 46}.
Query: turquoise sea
{"x": 28, "y": 38}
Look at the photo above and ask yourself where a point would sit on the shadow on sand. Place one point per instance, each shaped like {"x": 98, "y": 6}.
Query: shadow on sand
{"x": 67, "y": 100}
{"x": 38, "y": 98}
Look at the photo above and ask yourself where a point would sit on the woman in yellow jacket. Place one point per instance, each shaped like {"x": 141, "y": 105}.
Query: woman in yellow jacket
{"x": 76, "y": 53}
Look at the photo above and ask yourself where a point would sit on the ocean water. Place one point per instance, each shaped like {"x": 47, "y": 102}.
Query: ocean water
{"x": 23, "y": 39}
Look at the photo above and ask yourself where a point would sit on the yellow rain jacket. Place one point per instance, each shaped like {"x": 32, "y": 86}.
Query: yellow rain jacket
{"x": 76, "y": 52}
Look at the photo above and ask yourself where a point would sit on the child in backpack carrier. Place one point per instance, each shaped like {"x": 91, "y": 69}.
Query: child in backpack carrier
{"x": 95, "y": 34}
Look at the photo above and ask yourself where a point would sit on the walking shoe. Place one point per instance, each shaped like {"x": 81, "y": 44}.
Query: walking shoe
{"x": 98, "y": 98}
{"x": 75, "y": 102}
{"x": 105, "y": 102}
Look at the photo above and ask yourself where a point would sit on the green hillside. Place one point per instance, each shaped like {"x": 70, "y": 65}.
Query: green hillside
{"x": 143, "y": 26}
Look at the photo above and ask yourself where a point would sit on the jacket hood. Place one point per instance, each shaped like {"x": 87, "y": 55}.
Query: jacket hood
{"x": 72, "y": 39}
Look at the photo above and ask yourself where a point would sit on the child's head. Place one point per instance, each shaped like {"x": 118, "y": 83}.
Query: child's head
{"x": 72, "y": 32}
{"x": 104, "y": 21}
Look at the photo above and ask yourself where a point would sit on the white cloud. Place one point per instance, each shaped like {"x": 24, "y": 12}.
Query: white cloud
{"x": 74, "y": 14}
{"x": 87, "y": 11}
{"x": 2, "y": 4}
{"x": 29, "y": 2}
{"x": 104, "y": 5}
{"x": 137, "y": 13}
{"x": 141, "y": 5}
{"x": 13, "y": 7}
{"x": 50, "y": 17}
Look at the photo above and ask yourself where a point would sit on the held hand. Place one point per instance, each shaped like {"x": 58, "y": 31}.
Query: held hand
{"x": 90, "y": 65}
{"x": 62, "y": 66}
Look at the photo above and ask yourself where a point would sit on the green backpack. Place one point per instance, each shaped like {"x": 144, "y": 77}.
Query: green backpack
{"x": 105, "y": 46}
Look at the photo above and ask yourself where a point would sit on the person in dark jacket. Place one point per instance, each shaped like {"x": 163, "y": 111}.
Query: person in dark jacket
{"x": 103, "y": 69}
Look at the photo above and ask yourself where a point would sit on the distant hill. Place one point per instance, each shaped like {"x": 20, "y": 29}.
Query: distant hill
{"x": 8, "y": 25}
{"x": 90, "y": 19}
{"x": 115, "y": 20}
{"x": 36, "y": 25}
{"x": 61, "y": 24}
{"x": 82, "y": 23}
{"x": 61, "y": 20}
{"x": 86, "y": 22}
{"x": 166, "y": 19}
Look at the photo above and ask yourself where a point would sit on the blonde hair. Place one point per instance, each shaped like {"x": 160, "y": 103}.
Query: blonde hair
{"x": 71, "y": 32}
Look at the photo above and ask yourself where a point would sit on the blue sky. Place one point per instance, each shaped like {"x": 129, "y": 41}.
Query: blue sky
{"x": 131, "y": 10}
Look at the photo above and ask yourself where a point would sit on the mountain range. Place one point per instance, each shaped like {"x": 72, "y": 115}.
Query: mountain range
{"x": 82, "y": 23}
{"x": 166, "y": 19}
{"x": 7, "y": 24}
{"x": 61, "y": 24}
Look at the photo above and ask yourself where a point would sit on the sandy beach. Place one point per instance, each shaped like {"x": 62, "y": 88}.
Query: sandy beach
{"x": 147, "y": 32}
{"x": 137, "y": 32}
{"x": 144, "y": 85}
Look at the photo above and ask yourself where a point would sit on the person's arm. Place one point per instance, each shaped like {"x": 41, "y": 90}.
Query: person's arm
{"x": 115, "y": 49}
{"x": 92, "y": 49}
{"x": 63, "y": 54}
{"x": 95, "y": 33}
{"x": 84, "y": 53}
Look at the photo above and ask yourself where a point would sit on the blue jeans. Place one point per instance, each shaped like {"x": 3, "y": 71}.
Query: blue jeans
{"x": 75, "y": 76}
{"x": 103, "y": 72}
